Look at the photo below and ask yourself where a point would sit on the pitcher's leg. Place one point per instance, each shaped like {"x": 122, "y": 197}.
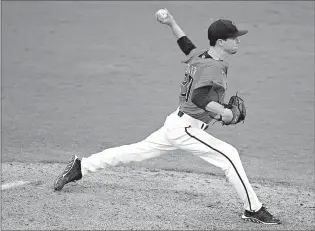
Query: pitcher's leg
{"x": 155, "y": 145}
{"x": 229, "y": 161}
{"x": 224, "y": 156}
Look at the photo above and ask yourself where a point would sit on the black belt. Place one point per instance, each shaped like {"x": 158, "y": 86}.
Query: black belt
{"x": 180, "y": 113}
{"x": 203, "y": 127}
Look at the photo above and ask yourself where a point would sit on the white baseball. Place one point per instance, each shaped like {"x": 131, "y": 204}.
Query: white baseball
{"x": 162, "y": 13}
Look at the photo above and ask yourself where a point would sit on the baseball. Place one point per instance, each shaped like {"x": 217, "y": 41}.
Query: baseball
{"x": 162, "y": 13}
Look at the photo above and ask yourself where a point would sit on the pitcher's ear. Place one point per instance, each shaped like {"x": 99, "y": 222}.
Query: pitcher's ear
{"x": 220, "y": 42}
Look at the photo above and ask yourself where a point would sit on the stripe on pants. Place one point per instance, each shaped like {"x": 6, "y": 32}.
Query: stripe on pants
{"x": 250, "y": 207}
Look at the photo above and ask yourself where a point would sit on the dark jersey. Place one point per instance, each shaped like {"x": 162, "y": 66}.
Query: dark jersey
{"x": 202, "y": 70}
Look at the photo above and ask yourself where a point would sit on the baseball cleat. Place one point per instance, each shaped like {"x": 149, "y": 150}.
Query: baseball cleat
{"x": 261, "y": 216}
{"x": 71, "y": 173}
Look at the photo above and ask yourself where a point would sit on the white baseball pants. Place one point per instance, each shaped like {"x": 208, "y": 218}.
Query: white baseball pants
{"x": 184, "y": 133}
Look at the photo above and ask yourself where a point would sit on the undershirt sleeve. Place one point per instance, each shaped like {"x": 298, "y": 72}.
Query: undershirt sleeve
{"x": 185, "y": 44}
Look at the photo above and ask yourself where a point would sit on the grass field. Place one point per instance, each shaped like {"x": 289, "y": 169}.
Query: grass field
{"x": 79, "y": 77}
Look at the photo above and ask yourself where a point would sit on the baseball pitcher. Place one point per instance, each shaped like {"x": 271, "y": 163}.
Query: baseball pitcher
{"x": 201, "y": 100}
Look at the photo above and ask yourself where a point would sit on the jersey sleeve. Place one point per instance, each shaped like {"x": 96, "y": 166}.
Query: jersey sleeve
{"x": 212, "y": 75}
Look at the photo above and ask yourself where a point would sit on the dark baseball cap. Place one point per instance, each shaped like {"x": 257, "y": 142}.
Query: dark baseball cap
{"x": 223, "y": 29}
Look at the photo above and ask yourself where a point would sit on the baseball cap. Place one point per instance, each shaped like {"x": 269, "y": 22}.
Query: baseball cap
{"x": 223, "y": 29}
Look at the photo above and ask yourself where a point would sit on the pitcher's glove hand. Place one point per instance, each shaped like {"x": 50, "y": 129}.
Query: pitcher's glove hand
{"x": 237, "y": 106}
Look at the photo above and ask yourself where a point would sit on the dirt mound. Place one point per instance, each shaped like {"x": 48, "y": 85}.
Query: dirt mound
{"x": 127, "y": 198}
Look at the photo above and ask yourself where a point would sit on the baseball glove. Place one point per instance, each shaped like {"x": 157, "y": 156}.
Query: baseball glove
{"x": 237, "y": 106}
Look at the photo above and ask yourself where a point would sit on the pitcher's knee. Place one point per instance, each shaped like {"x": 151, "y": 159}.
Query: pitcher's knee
{"x": 231, "y": 156}
{"x": 232, "y": 152}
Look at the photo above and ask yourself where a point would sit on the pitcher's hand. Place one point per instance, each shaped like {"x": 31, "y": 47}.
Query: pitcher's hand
{"x": 168, "y": 20}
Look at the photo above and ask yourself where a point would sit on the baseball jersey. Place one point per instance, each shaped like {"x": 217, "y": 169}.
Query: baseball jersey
{"x": 202, "y": 70}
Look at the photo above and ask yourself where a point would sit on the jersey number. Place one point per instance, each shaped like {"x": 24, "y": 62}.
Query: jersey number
{"x": 186, "y": 86}
{"x": 187, "y": 83}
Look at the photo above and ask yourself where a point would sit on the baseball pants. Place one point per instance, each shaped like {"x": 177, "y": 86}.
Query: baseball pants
{"x": 184, "y": 133}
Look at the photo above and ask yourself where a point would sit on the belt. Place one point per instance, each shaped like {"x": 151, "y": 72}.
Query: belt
{"x": 180, "y": 113}
{"x": 203, "y": 126}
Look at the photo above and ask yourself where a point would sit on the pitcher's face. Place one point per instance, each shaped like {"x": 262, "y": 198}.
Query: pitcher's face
{"x": 230, "y": 45}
